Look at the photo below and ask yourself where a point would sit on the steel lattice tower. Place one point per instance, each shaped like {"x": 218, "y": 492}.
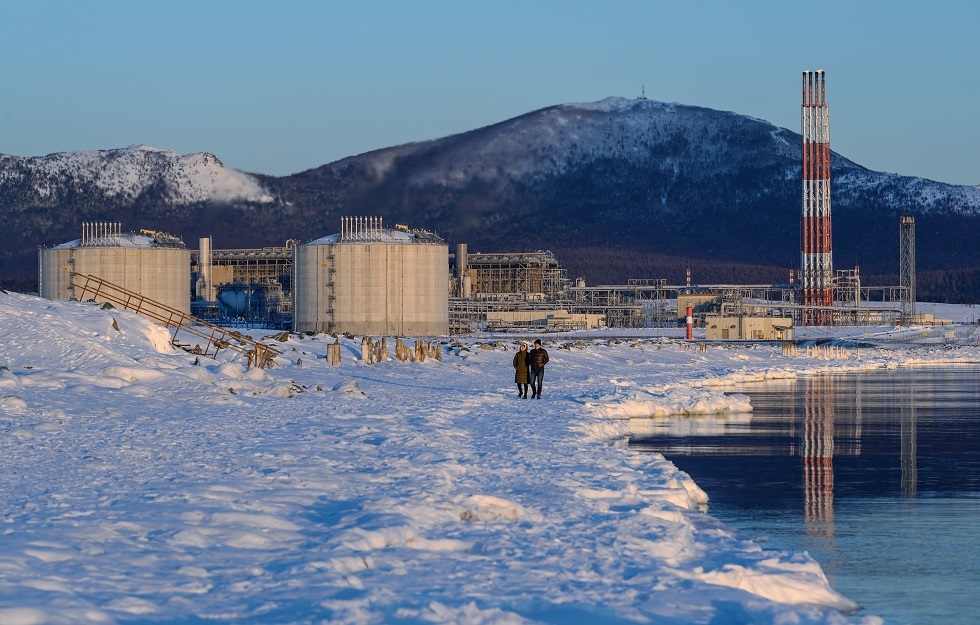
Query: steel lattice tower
{"x": 906, "y": 262}
{"x": 816, "y": 259}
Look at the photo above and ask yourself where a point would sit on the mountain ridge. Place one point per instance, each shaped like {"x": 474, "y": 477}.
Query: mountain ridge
{"x": 637, "y": 178}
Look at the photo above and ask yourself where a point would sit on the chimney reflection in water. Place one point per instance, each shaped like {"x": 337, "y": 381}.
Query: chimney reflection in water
{"x": 818, "y": 455}
{"x": 909, "y": 469}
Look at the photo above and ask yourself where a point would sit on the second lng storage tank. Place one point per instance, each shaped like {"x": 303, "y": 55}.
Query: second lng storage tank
{"x": 153, "y": 264}
{"x": 373, "y": 281}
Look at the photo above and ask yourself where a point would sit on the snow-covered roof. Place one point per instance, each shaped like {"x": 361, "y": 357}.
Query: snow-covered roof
{"x": 127, "y": 240}
{"x": 386, "y": 235}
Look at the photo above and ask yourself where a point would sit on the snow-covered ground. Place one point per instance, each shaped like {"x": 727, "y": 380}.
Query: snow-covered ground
{"x": 142, "y": 484}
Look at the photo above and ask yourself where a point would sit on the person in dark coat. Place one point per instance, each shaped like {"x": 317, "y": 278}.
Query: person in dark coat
{"x": 537, "y": 358}
{"x": 521, "y": 375}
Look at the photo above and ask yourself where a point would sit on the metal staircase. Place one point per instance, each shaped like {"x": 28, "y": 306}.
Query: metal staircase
{"x": 209, "y": 338}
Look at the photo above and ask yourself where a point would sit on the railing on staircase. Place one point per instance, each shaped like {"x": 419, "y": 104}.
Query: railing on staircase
{"x": 212, "y": 337}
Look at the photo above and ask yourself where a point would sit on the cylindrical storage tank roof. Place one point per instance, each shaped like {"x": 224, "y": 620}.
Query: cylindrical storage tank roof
{"x": 394, "y": 285}
{"x": 155, "y": 266}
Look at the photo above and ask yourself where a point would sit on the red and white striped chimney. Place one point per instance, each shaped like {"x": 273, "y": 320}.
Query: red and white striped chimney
{"x": 816, "y": 258}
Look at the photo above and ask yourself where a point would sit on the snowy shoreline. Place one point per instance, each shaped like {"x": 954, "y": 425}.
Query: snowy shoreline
{"x": 140, "y": 487}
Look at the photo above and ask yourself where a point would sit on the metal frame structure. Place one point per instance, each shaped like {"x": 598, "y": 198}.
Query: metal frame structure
{"x": 865, "y": 304}
{"x": 906, "y": 264}
{"x": 652, "y": 303}
{"x": 252, "y": 265}
{"x": 847, "y": 287}
{"x": 250, "y": 269}
{"x": 519, "y": 272}
{"x": 469, "y": 314}
{"x": 101, "y": 234}
{"x": 361, "y": 229}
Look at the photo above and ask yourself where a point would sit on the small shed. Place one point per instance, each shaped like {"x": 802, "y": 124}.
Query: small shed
{"x": 746, "y": 328}
{"x": 550, "y": 319}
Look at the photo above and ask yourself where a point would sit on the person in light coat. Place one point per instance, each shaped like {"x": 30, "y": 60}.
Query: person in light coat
{"x": 522, "y": 375}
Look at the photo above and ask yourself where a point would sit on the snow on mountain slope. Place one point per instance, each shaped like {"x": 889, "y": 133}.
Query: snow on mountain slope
{"x": 549, "y": 140}
{"x": 688, "y": 142}
{"x": 906, "y": 194}
{"x": 128, "y": 172}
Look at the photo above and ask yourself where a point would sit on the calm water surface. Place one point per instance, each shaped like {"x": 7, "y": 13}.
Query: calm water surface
{"x": 876, "y": 475}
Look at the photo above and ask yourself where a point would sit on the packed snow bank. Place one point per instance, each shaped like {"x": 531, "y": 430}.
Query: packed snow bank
{"x": 141, "y": 483}
{"x": 699, "y": 401}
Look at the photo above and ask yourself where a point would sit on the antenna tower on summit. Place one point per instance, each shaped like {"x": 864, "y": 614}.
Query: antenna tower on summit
{"x": 816, "y": 258}
{"x": 643, "y": 92}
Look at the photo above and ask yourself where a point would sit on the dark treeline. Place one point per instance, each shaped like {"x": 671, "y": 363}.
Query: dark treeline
{"x": 19, "y": 285}
{"x": 617, "y": 266}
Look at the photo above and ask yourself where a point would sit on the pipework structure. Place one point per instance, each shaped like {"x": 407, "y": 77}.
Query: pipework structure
{"x": 253, "y": 286}
{"x": 363, "y": 229}
{"x": 816, "y": 259}
{"x": 511, "y": 273}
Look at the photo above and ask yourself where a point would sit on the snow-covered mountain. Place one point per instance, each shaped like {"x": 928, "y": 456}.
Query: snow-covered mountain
{"x": 619, "y": 188}
{"x": 552, "y": 140}
{"x": 128, "y": 173}
{"x": 684, "y": 141}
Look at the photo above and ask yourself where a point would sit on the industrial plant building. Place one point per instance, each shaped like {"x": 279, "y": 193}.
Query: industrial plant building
{"x": 547, "y": 320}
{"x": 504, "y": 291}
{"x": 514, "y": 273}
{"x": 243, "y": 286}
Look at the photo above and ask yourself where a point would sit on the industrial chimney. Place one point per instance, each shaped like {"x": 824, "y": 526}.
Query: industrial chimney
{"x": 816, "y": 259}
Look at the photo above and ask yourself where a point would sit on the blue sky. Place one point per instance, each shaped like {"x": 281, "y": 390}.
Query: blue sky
{"x": 280, "y": 87}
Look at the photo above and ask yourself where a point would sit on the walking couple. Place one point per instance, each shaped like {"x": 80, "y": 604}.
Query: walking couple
{"x": 530, "y": 367}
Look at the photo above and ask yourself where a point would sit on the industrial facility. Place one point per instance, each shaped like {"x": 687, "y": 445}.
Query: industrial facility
{"x": 251, "y": 287}
{"x": 370, "y": 279}
{"x": 511, "y": 273}
{"x": 506, "y": 291}
{"x": 154, "y": 264}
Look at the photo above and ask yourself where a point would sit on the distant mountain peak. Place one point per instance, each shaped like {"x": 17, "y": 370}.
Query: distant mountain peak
{"x": 559, "y": 138}
{"x": 614, "y": 104}
{"x": 142, "y": 147}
